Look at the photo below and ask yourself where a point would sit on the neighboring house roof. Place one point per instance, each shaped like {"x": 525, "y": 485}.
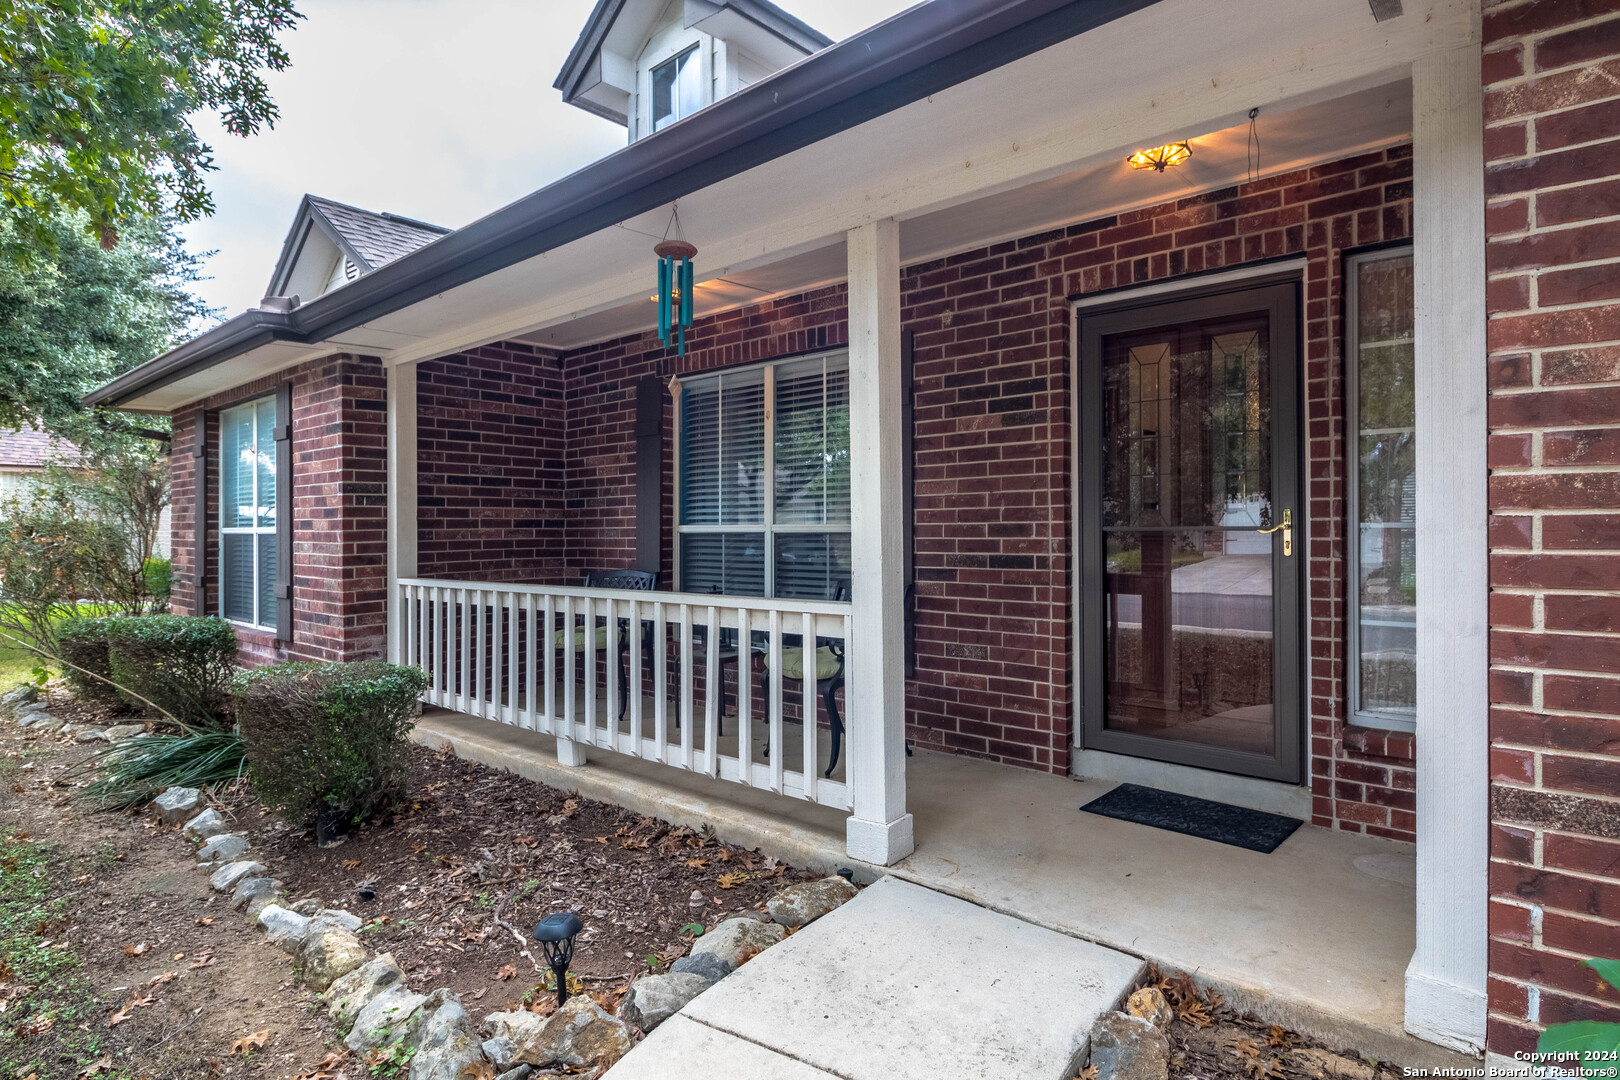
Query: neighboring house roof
{"x": 25, "y": 448}
{"x": 630, "y": 20}
{"x": 919, "y": 52}
{"x": 325, "y": 230}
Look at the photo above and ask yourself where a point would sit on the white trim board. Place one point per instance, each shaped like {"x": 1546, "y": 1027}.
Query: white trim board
{"x": 1290, "y": 800}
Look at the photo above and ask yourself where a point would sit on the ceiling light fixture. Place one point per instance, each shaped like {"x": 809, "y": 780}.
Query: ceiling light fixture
{"x": 1160, "y": 158}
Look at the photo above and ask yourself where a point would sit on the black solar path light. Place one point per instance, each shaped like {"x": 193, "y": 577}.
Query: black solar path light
{"x": 556, "y": 934}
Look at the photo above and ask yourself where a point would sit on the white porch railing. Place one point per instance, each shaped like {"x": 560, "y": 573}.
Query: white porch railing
{"x": 549, "y": 659}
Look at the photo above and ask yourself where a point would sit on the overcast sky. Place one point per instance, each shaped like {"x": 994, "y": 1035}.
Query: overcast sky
{"x": 437, "y": 109}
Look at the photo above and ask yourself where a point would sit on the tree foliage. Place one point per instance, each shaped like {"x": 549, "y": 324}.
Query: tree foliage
{"x": 95, "y": 105}
{"x": 76, "y": 316}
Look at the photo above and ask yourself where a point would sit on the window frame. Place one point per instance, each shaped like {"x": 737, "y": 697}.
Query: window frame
{"x": 273, "y": 531}
{"x": 1352, "y": 263}
{"x": 768, "y": 527}
{"x": 695, "y": 50}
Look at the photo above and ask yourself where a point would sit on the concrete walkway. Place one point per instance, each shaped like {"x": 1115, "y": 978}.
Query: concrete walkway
{"x": 901, "y": 983}
{"x": 1315, "y": 936}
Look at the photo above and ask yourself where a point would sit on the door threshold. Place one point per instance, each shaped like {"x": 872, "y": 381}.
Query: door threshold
{"x": 1293, "y": 800}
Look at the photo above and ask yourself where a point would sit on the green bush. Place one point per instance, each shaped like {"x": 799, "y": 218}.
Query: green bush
{"x": 82, "y": 642}
{"x": 181, "y": 664}
{"x": 328, "y": 738}
{"x": 159, "y": 573}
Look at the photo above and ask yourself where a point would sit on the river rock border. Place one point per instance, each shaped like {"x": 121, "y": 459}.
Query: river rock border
{"x": 368, "y": 997}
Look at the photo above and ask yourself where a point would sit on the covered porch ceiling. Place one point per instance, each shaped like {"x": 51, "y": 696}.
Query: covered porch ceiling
{"x": 1026, "y": 146}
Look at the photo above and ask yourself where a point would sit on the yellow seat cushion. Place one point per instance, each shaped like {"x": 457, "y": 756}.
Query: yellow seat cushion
{"x": 577, "y": 634}
{"x": 793, "y": 663}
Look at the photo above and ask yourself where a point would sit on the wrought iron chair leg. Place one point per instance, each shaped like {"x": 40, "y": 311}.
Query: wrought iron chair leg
{"x": 836, "y": 722}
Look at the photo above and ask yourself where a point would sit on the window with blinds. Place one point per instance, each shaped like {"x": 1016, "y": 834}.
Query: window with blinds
{"x": 247, "y": 510}
{"x": 763, "y": 507}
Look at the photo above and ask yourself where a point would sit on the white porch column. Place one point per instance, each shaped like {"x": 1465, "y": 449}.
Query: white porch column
{"x": 1445, "y": 983}
{"x": 879, "y": 829}
{"x": 401, "y": 497}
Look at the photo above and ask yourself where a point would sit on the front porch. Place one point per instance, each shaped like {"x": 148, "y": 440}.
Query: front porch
{"x": 1315, "y": 936}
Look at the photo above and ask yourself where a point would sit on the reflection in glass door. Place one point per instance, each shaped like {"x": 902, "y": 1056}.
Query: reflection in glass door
{"x": 1190, "y": 551}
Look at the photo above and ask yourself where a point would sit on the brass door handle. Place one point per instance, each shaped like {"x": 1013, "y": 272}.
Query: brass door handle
{"x": 1287, "y": 529}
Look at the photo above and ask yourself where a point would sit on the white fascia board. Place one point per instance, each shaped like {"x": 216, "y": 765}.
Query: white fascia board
{"x": 1178, "y": 68}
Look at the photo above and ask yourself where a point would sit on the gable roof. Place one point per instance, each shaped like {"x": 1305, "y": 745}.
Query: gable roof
{"x": 28, "y": 448}
{"x": 366, "y": 238}
{"x": 584, "y": 65}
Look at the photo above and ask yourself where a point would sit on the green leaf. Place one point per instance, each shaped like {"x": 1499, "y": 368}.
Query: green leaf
{"x": 1582, "y": 1039}
{"x": 1608, "y": 969}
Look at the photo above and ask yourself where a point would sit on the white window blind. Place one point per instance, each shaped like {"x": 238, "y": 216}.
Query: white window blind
{"x": 764, "y": 492}
{"x": 247, "y": 504}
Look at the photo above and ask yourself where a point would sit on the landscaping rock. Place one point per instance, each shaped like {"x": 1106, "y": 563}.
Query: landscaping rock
{"x": 333, "y": 919}
{"x": 309, "y": 906}
{"x": 226, "y": 877}
{"x": 177, "y": 804}
{"x": 386, "y": 1019}
{"x": 227, "y": 847}
{"x": 445, "y": 1043}
{"x": 1127, "y": 1047}
{"x": 21, "y": 712}
{"x": 708, "y": 965}
{"x": 800, "y": 905}
{"x": 83, "y": 733}
{"x": 736, "y": 941}
{"x": 328, "y": 956}
{"x": 22, "y": 695}
{"x": 120, "y": 732}
{"x": 351, "y": 993}
{"x": 1149, "y": 1003}
{"x": 285, "y": 928}
{"x": 655, "y": 998}
{"x": 206, "y": 824}
{"x": 520, "y": 1073}
{"x": 254, "y": 888}
{"x": 501, "y": 1051}
{"x": 45, "y": 724}
{"x": 579, "y": 1033}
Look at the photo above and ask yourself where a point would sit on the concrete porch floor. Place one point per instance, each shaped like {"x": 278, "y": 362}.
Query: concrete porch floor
{"x": 1314, "y": 936}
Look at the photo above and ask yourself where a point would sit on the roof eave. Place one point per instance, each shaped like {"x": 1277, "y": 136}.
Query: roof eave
{"x": 235, "y": 336}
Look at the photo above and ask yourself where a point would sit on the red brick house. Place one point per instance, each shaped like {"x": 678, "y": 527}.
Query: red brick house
{"x": 1273, "y": 465}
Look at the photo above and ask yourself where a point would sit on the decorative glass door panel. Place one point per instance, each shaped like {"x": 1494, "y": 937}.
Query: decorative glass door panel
{"x": 1189, "y": 544}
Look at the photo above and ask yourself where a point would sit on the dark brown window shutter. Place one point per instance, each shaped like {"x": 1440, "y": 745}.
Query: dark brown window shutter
{"x": 908, "y": 509}
{"x": 650, "y": 474}
{"x": 284, "y": 513}
{"x": 199, "y": 483}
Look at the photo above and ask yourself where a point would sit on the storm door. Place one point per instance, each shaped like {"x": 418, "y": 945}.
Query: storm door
{"x": 1191, "y": 532}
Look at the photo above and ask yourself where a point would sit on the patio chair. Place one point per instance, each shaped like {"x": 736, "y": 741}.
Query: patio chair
{"x": 828, "y": 658}
{"x": 574, "y": 637}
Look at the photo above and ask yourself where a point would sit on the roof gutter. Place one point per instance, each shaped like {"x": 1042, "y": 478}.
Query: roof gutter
{"x": 919, "y": 52}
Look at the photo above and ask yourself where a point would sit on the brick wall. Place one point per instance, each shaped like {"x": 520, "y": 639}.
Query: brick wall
{"x": 1552, "y": 113}
{"x": 339, "y": 511}
{"x": 490, "y": 466}
{"x": 992, "y": 443}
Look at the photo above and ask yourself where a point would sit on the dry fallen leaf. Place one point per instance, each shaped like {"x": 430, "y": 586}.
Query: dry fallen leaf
{"x": 202, "y": 959}
{"x": 119, "y": 1016}
{"x": 39, "y": 1025}
{"x": 730, "y": 881}
{"x": 1088, "y": 1073}
{"x": 504, "y": 972}
{"x": 1195, "y": 1013}
{"x": 166, "y": 977}
{"x": 137, "y": 950}
{"x": 478, "y": 1070}
{"x": 99, "y": 1067}
{"x": 251, "y": 1042}
{"x": 351, "y": 864}
{"x": 1277, "y": 1036}
{"x": 525, "y": 841}
{"x": 698, "y": 864}
{"x": 206, "y": 920}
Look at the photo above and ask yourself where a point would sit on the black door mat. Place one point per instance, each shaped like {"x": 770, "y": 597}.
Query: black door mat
{"x": 1221, "y": 822}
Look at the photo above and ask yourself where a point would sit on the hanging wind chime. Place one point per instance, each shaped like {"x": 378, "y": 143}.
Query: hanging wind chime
{"x": 674, "y": 286}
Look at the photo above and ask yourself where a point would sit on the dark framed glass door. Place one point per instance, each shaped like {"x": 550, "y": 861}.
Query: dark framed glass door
{"x": 1191, "y": 531}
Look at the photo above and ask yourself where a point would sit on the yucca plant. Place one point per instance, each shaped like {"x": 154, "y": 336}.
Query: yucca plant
{"x": 137, "y": 770}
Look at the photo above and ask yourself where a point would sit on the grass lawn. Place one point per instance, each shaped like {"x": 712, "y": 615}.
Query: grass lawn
{"x": 16, "y": 665}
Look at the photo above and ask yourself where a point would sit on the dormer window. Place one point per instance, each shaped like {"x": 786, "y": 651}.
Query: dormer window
{"x": 677, "y": 89}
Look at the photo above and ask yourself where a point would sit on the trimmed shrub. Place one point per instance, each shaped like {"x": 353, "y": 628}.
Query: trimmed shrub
{"x": 82, "y": 642}
{"x": 328, "y": 740}
{"x": 182, "y": 664}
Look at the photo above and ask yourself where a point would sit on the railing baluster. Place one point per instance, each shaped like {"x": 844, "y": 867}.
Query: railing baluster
{"x": 514, "y": 672}
{"x": 543, "y": 649}
{"x": 466, "y": 650}
{"x": 812, "y": 760}
{"x": 774, "y": 681}
{"x": 714, "y": 692}
{"x": 566, "y": 730}
{"x": 745, "y": 695}
{"x": 633, "y": 688}
{"x": 530, "y": 656}
{"x": 590, "y": 669}
{"x": 660, "y": 644}
{"x": 489, "y": 662}
{"x": 437, "y": 656}
{"x": 686, "y": 686}
{"x": 851, "y": 706}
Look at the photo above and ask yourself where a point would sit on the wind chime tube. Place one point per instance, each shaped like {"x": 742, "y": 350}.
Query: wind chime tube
{"x": 663, "y": 301}
{"x": 686, "y": 300}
